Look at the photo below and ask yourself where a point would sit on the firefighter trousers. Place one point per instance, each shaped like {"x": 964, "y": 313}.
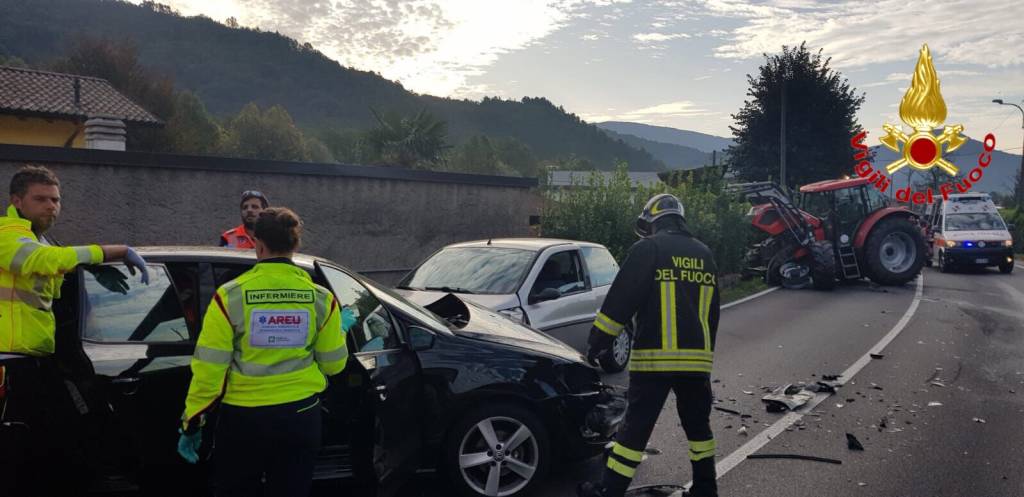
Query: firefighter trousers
{"x": 646, "y": 397}
{"x": 266, "y": 451}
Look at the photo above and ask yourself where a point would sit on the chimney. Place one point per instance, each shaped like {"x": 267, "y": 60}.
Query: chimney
{"x": 78, "y": 92}
{"x": 105, "y": 133}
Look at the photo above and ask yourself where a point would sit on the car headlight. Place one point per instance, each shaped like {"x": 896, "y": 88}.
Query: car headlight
{"x": 1007, "y": 243}
{"x": 515, "y": 314}
{"x": 950, "y": 244}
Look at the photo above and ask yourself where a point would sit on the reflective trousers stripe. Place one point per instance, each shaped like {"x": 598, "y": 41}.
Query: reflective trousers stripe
{"x": 702, "y": 449}
{"x": 656, "y": 355}
{"x": 629, "y": 454}
{"x": 621, "y": 469}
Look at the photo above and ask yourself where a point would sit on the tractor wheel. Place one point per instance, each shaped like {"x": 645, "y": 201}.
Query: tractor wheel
{"x": 894, "y": 252}
{"x": 823, "y": 265}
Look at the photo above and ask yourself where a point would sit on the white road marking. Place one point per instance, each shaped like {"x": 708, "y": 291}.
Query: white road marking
{"x": 750, "y": 297}
{"x": 1019, "y": 266}
{"x": 761, "y": 439}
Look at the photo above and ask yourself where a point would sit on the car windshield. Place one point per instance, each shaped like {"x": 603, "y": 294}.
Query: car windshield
{"x": 487, "y": 270}
{"x": 978, "y": 221}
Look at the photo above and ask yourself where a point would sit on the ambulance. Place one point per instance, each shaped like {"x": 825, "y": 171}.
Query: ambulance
{"x": 967, "y": 230}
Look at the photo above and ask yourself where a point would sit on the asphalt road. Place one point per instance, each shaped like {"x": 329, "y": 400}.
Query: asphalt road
{"x": 952, "y": 354}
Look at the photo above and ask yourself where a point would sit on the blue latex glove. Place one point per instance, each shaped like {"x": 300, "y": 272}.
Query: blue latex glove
{"x": 188, "y": 445}
{"x": 348, "y": 318}
{"x": 134, "y": 261}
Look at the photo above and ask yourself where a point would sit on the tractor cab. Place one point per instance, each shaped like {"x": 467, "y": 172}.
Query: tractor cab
{"x": 843, "y": 205}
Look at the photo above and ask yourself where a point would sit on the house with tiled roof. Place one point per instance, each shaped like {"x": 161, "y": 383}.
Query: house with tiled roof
{"x": 65, "y": 110}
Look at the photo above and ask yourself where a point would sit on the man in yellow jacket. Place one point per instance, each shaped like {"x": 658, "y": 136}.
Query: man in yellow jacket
{"x": 31, "y": 271}
{"x": 268, "y": 341}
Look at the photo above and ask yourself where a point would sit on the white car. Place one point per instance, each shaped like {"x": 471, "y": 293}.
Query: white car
{"x": 555, "y": 286}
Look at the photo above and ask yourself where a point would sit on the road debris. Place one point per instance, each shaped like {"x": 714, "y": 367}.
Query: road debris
{"x": 852, "y": 443}
{"x": 934, "y": 404}
{"x": 876, "y": 386}
{"x": 742, "y": 431}
{"x": 978, "y": 420}
{"x": 795, "y": 456}
{"x": 787, "y": 397}
{"x": 830, "y": 377}
{"x": 730, "y": 411}
{"x": 937, "y": 383}
{"x": 861, "y": 484}
{"x": 653, "y": 451}
{"x": 748, "y": 392}
{"x": 654, "y": 491}
{"x": 876, "y": 356}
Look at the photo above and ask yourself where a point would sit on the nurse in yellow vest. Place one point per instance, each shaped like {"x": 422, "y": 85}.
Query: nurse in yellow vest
{"x": 269, "y": 340}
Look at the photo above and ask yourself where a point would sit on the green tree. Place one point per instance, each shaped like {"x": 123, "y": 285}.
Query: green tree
{"x": 408, "y": 141}
{"x": 348, "y": 146}
{"x": 269, "y": 134}
{"x": 192, "y": 130}
{"x": 821, "y": 117}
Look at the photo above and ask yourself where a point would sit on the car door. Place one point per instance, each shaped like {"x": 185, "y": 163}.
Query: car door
{"x": 387, "y": 444}
{"x": 139, "y": 339}
{"x": 569, "y": 316}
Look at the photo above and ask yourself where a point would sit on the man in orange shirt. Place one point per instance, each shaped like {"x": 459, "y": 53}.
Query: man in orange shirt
{"x": 241, "y": 236}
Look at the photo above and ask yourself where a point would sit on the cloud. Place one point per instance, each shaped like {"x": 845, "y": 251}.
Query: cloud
{"x": 702, "y": 78}
{"x": 854, "y": 34}
{"x": 658, "y": 37}
{"x": 654, "y": 114}
{"x": 431, "y": 46}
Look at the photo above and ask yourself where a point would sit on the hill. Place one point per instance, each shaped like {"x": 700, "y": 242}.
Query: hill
{"x": 230, "y": 67}
{"x": 674, "y": 156}
{"x": 700, "y": 141}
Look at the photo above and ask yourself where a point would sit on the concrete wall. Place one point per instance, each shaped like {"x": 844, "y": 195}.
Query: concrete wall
{"x": 377, "y": 225}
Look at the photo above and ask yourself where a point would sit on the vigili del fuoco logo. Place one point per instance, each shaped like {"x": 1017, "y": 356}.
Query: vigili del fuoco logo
{"x": 924, "y": 110}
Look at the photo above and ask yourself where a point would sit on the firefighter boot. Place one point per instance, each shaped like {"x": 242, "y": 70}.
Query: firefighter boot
{"x": 589, "y": 489}
{"x": 703, "y": 479}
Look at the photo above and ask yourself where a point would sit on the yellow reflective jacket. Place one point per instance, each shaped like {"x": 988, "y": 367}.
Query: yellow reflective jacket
{"x": 30, "y": 277}
{"x": 269, "y": 337}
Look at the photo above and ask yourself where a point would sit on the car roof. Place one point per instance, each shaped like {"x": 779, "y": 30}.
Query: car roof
{"x": 218, "y": 254}
{"x": 534, "y": 244}
{"x": 833, "y": 184}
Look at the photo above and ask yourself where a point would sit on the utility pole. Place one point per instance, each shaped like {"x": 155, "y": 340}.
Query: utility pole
{"x": 1018, "y": 191}
{"x": 782, "y": 137}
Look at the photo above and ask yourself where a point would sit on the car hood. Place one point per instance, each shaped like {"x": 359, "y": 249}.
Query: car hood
{"x": 986, "y": 235}
{"x": 497, "y": 302}
{"x": 474, "y": 321}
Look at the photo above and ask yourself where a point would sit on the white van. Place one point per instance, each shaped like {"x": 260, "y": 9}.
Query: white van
{"x": 967, "y": 230}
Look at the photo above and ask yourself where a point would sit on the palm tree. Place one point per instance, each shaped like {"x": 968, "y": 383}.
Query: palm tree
{"x": 406, "y": 141}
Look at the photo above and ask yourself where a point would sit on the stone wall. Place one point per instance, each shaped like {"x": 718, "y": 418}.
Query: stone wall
{"x": 380, "y": 221}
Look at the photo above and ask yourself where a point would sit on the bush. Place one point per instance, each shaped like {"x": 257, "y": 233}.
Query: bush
{"x": 604, "y": 211}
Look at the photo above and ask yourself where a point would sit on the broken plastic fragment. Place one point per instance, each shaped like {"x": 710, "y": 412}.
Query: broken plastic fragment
{"x": 978, "y": 420}
{"x": 852, "y": 443}
{"x": 934, "y": 404}
{"x": 877, "y": 356}
{"x": 742, "y": 431}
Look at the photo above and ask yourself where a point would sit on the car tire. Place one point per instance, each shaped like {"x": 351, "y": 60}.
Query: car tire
{"x": 1006, "y": 268}
{"x": 617, "y": 358}
{"x": 466, "y": 439}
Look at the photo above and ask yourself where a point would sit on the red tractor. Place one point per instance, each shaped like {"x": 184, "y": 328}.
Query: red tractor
{"x": 842, "y": 230}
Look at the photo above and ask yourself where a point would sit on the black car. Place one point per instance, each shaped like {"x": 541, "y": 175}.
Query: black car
{"x": 457, "y": 389}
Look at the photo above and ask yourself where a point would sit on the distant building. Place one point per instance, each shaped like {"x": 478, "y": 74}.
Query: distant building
{"x": 578, "y": 179}
{"x": 65, "y": 110}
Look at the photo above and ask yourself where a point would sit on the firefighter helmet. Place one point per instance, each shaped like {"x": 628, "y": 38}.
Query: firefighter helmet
{"x": 657, "y": 207}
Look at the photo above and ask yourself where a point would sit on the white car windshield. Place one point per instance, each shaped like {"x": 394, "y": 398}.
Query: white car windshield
{"x": 978, "y": 221}
{"x": 474, "y": 270}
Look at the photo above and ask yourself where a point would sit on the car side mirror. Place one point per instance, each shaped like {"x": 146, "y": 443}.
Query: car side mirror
{"x": 546, "y": 295}
{"x": 420, "y": 339}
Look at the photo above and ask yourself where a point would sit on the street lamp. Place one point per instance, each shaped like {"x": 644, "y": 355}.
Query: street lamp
{"x": 1019, "y": 190}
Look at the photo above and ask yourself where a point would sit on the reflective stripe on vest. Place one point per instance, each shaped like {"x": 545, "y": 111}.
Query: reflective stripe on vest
{"x": 670, "y": 357}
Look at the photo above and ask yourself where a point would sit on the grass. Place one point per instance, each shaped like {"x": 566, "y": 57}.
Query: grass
{"x": 742, "y": 289}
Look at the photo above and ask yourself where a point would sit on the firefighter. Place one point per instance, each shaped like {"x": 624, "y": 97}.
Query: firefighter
{"x": 267, "y": 343}
{"x": 241, "y": 236}
{"x": 669, "y": 283}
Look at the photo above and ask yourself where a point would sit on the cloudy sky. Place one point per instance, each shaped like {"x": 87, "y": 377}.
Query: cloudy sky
{"x": 674, "y": 63}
